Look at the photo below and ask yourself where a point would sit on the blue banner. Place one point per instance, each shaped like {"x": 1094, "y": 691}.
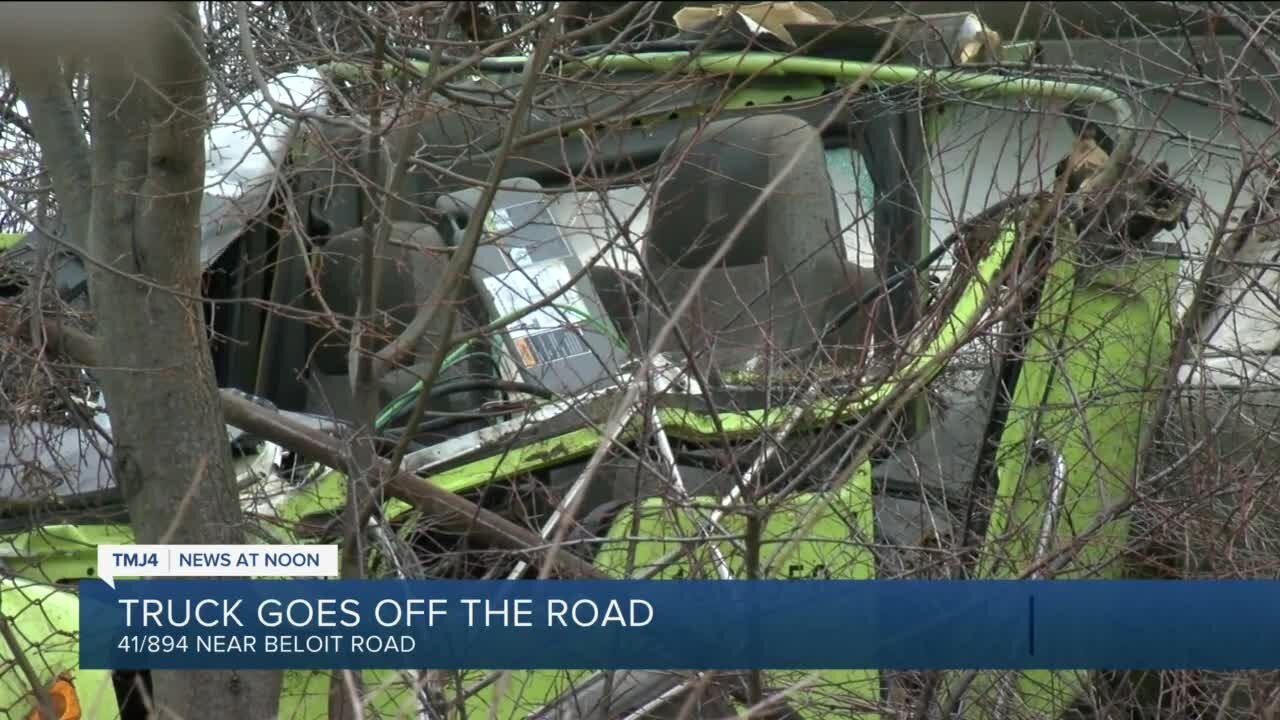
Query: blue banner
{"x": 680, "y": 625}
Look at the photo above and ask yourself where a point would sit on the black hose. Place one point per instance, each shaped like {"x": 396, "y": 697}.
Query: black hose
{"x": 444, "y": 423}
{"x": 453, "y": 387}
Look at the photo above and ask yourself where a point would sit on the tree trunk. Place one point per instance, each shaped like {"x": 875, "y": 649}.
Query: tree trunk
{"x": 172, "y": 459}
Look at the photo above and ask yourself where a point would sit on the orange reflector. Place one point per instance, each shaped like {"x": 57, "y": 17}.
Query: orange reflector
{"x": 65, "y": 701}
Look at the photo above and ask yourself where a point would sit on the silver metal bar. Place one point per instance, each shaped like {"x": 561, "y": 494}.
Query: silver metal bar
{"x": 443, "y": 452}
{"x": 764, "y": 457}
{"x": 1053, "y": 508}
{"x": 1006, "y": 684}
{"x": 666, "y": 377}
{"x": 706, "y": 526}
{"x": 643, "y": 710}
{"x": 425, "y": 709}
{"x": 569, "y": 500}
{"x": 726, "y": 502}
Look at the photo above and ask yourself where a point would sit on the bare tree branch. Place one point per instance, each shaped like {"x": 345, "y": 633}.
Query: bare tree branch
{"x": 55, "y": 122}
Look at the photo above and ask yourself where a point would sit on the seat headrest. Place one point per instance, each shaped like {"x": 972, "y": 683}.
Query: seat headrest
{"x": 715, "y": 174}
{"x": 409, "y": 272}
{"x": 768, "y": 292}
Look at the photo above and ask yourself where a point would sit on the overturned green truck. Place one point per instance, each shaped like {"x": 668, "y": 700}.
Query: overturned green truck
{"x": 796, "y": 418}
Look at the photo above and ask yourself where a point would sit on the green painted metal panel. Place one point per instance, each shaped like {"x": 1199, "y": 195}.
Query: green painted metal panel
{"x": 826, "y": 535}
{"x": 46, "y": 621}
{"x": 1092, "y": 373}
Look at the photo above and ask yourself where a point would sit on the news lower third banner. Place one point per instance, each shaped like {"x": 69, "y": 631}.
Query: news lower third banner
{"x": 677, "y": 624}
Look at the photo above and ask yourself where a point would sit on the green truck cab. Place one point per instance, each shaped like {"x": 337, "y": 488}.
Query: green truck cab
{"x": 1007, "y": 471}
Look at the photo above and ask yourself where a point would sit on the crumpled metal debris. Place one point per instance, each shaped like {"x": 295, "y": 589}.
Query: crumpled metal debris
{"x": 956, "y": 37}
{"x": 767, "y": 17}
{"x": 1124, "y": 212}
